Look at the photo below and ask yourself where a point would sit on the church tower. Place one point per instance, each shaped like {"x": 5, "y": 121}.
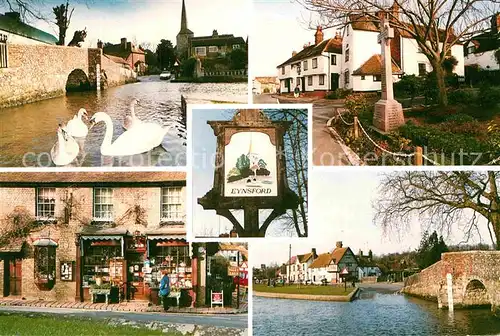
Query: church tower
{"x": 184, "y": 35}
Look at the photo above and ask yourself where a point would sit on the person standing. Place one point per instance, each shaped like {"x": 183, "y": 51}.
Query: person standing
{"x": 165, "y": 289}
{"x": 296, "y": 92}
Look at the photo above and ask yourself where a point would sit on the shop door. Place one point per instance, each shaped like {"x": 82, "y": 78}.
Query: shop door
{"x": 135, "y": 275}
{"x": 15, "y": 276}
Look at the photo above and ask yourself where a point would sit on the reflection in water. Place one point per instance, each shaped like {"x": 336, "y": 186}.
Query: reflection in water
{"x": 372, "y": 314}
{"x": 28, "y": 132}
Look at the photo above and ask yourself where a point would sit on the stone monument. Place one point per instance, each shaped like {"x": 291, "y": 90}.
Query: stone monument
{"x": 388, "y": 114}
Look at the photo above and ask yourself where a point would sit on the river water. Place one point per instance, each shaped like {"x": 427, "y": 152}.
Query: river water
{"x": 28, "y": 132}
{"x": 374, "y": 313}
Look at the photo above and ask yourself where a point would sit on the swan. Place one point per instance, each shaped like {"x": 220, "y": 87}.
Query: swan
{"x": 140, "y": 139}
{"x": 131, "y": 120}
{"x": 76, "y": 127}
{"x": 65, "y": 150}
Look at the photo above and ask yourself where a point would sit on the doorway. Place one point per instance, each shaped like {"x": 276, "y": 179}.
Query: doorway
{"x": 303, "y": 80}
{"x": 12, "y": 276}
{"x": 334, "y": 81}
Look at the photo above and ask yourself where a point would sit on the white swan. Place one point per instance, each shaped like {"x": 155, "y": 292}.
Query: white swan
{"x": 65, "y": 150}
{"x": 131, "y": 120}
{"x": 140, "y": 139}
{"x": 76, "y": 127}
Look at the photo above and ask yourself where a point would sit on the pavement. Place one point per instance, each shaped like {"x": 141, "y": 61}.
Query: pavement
{"x": 239, "y": 321}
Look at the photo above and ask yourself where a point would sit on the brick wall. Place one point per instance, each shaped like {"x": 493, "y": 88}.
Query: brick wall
{"x": 124, "y": 199}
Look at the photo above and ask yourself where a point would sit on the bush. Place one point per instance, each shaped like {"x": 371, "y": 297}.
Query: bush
{"x": 460, "y": 118}
{"x": 462, "y": 97}
{"x": 488, "y": 96}
{"x": 356, "y": 104}
{"x": 409, "y": 86}
{"x": 461, "y": 124}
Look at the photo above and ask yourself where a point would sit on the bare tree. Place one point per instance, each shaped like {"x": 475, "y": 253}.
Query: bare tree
{"x": 441, "y": 200}
{"x": 63, "y": 19}
{"x": 435, "y": 25}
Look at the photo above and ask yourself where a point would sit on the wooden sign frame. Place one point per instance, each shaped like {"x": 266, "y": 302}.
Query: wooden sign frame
{"x": 249, "y": 120}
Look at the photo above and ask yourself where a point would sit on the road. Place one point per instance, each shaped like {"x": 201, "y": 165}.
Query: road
{"x": 382, "y": 287}
{"x": 239, "y": 321}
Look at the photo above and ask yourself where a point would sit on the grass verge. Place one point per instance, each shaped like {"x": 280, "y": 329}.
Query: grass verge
{"x": 305, "y": 290}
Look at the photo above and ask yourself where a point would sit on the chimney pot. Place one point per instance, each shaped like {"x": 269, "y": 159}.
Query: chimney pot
{"x": 294, "y": 53}
{"x": 313, "y": 250}
{"x": 124, "y": 42}
{"x": 215, "y": 33}
{"x": 339, "y": 244}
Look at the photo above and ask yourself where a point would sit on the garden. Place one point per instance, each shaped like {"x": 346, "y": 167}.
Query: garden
{"x": 465, "y": 132}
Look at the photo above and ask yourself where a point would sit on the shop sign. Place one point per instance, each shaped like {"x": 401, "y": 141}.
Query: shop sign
{"x": 217, "y": 298}
{"x": 233, "y": 271}
{"x": 67, "y": 268}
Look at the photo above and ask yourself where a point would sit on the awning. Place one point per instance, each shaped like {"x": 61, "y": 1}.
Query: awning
{"x": 166, "y": 237}
{"x": 45, "y": 242}
{"x": 101, "y": 237}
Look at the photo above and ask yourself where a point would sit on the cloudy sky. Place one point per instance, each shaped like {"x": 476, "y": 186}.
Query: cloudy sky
{"x": 341, "y": 210}
{"x": 149, "y": 20}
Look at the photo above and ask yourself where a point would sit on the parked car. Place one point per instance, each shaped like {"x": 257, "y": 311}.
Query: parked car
{"x": 165, "y": 75}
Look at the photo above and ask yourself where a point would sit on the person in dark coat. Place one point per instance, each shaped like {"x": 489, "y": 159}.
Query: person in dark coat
{"x": 165, "y": 289}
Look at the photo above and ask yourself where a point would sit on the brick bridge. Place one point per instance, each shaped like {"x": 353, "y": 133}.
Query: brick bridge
{"x": 475, "y": 278}
{"x": 36, "y": 72}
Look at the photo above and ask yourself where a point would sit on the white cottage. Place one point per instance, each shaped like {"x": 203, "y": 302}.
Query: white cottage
{"x": 328, "y": 266}
{"x": 361, "y": 66}
{"x": 315, "y": 69}
{"x": 298, "y": 266}
{"x": 481, "y": 48}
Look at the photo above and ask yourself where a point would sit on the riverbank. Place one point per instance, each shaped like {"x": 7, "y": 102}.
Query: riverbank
{"x": 210, "y": 79}
{"x": 315, "y": 293}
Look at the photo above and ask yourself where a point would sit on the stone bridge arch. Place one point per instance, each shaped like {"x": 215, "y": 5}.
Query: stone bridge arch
{"x": 476, "y": 293}
{"x": 77, "y": 80}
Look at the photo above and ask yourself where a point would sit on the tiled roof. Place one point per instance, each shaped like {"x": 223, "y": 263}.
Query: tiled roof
{"x": 323, "y": 260}
{"x": 116, "y": 59}
{"x": 267, "y": 80}
{"x": 17, "y": 27}
{"x": 118, "y": 50}
{"x": 338, "y": 253}
{"x": 333, "y": 45}
{"x": 218, "y": 40}
{"x": 304, "y": 257}
{"x": 373, "y": 66}
{"x": 363, "y": 22}
{"x": 90, "y": 177}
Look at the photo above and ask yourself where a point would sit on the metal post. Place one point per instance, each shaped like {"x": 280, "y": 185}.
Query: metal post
{"x": 239, "y": 280}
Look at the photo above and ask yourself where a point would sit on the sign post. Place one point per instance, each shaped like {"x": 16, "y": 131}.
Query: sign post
{"x": 217, "y": 299}
{"x": 250, "y": 171}
{"x": 344, "y": 274}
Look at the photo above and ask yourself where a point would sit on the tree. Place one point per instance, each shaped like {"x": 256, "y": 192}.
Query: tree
{"x": 238, "y": 59}
{"x": 187, "y": 67}
{"x": 166, "y": 54}
{"x": 440, "y": 199}
{"x": 435, "y": 25}
{"x": 32, "y": 9}
{"x": 430, "y": 249}
{"x": 63, "y": 20}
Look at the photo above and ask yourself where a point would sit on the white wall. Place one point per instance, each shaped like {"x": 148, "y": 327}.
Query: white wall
{"x": 484, "y": 60}
{"x": 17, "y": 39}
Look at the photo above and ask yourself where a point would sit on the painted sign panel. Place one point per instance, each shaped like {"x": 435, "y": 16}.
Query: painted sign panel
{"x": 250, "y": 166}
{"x": 67, "y": 270}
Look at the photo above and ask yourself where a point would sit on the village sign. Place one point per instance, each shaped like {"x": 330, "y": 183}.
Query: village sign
{"x": 250, "y": 171}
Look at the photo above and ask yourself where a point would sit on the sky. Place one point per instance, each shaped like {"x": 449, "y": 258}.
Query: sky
{"x": 341, "y": 209}
{"x": 279, "y": 28}
{"x": 149, "y": 20}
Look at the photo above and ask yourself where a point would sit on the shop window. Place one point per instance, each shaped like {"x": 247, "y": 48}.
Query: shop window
{"x": 171, "y": 204}
{"x": 314, "y": 63}
{"x": 103, "y": 204}
{"x": 102, "y": 263}
{"x": 45, "y": 203}
{"x": 175, "y": 258}
{"x": 3, "y": 51}
{"x": 200, "y": 51}
{"x": 45, "y": 267}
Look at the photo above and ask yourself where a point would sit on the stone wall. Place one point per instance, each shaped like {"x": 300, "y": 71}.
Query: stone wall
{"x": 124, "y": 200}
{"x": 37, "y": 72}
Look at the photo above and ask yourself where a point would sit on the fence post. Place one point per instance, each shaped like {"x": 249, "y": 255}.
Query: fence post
{"x": 356, "y": 128}
{"x": 419, "y": 160}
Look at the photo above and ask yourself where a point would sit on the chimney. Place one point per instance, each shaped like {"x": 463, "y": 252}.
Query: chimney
{"x": 360, "y": 253}
{"x": 233, "y": 234}
{"x": 215, "y": 33}
{"x": 394, "y": 11}
{"x": 99, "y": 44}
{"x": 318, "y": 36}
{"x": 294, "y": 53}
{"x": 13, "y": 15}
{"x": 124, "y": 43}
{"x": 339, "y": 244}
{"x": 305, "y": 45}
{"x": 381, "y": 15}
{"x": 338, "y": 36}
{"x": 313, "y": 251}
{"x": 495, "y": 23}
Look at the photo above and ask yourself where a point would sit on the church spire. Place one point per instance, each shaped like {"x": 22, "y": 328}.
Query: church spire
{"x": 184, "y": 23}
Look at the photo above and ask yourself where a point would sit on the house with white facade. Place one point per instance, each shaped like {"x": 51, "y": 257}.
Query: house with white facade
{"x": 265, "y": 85}
{"x": 361, "y": 66}
{"x": 368, "y": 270}
{"x": 481, "y": 48}
{"x": 329, "y": 266}
{"x": 315, "y": 69}
{"x": 297, "y": 268}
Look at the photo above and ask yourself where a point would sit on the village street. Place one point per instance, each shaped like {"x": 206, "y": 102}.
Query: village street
{"x": 238, "y": 321}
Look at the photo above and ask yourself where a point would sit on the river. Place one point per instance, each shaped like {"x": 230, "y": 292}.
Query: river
{"x": 28, "y": 132}
{"x": 374, "y": 313}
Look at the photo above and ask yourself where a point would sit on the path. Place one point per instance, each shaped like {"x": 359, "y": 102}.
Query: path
{"x": 239, "y": 321}
{"x": 384, "y": 287}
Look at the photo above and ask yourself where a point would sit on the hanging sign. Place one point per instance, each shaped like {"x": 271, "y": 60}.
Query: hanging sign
{"x": 250, "y": 165}
{"x": 233, "y": 271}
{"x": 67, "y": 268}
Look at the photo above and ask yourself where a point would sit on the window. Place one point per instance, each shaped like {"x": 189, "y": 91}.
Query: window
{"x": 347, "y": 30}
{"x": 377, "y": 78}
{"x": 3, "y": 51}
{"x": 347, "y": 55}
{"x": 283, "y": 70}
{"x": 346, "y": 77}
{"x": 45, "y": 203}
{"x": 310, "y": 80}
{"x": 333, "y": 59}
{"x": 363, "y": 77}
{"x": 200, "y": 51}
{"x": 45, "y": 266}
{"x": 236, "y": 46}
{"x": 103, "y": 204}
{"x": 305, "y": 65}
{"x": 321, "y": 79}
{"x": 471, "y": 49}
{"x": 213, "y": 49}
{"x": 171, "y": 204}
{"x": 314, "y": 63}
{"x": 422, "y": 69}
